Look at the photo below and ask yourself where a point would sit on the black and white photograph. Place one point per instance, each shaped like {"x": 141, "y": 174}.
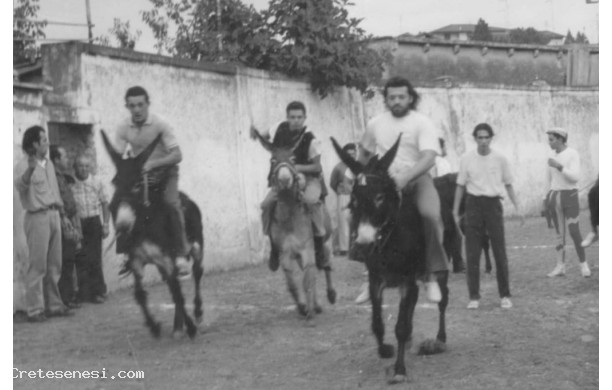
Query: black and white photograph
{"x": 306, "y": 194}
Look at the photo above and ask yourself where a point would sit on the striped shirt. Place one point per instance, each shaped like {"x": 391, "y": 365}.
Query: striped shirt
{"x": 89, "y": 195}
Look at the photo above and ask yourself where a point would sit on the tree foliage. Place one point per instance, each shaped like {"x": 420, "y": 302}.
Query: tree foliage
{"x": 121, "y": 34}
{"x": 312, "y": 39}
{"x": 528, "y": 35}
{"x": 26, "y": 31}
{"x": 481, "y": 32}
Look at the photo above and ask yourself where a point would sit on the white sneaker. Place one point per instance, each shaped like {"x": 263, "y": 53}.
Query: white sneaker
{"x": 558, "y": 271}
{"x": 589, "y": 239}
{"x": 584, "y": 269}
{"x": 506, "y": 303}
{"x": 364, "y": 296}
{"x": 433, "y": 291}
{"x": 473, "y": 305}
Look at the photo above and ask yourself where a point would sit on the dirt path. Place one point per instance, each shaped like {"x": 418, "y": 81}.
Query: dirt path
{"x": 252, "y": 337}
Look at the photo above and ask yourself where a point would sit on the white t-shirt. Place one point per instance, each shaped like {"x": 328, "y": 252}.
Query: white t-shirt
{"x": 484, "y": 175}
{"x": 418, "y": 134}
{"x": 315, "y": 145}
{"x": 567, "y": 179}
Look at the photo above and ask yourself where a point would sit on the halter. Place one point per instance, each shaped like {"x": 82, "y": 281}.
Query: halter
{"x": 291, "y": 168}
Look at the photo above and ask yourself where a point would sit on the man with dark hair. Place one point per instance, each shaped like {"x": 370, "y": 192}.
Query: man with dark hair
{"x": 483, "y": 174}
{"x": 139, "y": 131}
{"x": 71, "y": 231}
{"x": 39, "y": 194}
{"x": 341, "y": 182}
{"x": 416, "y": 154}
{"x": 563, "y": 173}
{"x": 308, "y": 164}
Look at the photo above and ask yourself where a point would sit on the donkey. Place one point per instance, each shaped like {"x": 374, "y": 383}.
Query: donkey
{"x": 291, "y": 230}
{"x": 143, "y": 231}
{"x": 390, "y": 240}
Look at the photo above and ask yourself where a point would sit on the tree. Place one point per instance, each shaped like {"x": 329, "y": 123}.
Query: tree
{"x": 581, "y": 38}
{"x": 26, "y": 30}
{"x": 527, "y": 35}
{"x": 313, "y": 39}
{"x": 122, "y": 35}
{"x": 481, "y": 32}
{"x": 569, "y": 38}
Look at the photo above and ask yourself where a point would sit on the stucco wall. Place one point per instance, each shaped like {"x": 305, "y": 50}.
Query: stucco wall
{"x": 519, "y": 118}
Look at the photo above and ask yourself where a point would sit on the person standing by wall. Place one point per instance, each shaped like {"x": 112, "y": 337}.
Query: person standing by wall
{"x": 92, "y": 204}
{"x": 39, "y": 195}
{"x": 563, "y": 172}
{"x": 341, "y": 182}
{"x": 483, "y": 174}
{"x": 71, "y": 230}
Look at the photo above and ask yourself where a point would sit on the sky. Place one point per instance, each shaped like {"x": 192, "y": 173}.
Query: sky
{"x": 380, "y": 17}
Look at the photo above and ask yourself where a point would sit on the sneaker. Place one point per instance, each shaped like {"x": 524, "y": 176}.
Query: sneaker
{"x": 364, "y": 296}
{"x": 506, "y": 303}
{"x": 584, "y": 269}
{"x": 558, "y": 271}
{"x": 589, "y": 239}
{"x": 433, "y": 291}
{"x": 473, "y": 305}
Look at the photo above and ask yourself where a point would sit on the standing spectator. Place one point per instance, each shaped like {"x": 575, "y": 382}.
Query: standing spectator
{"x": 71, "y": 230}
{"x": 563, "y": 172}
{"x": 341, "y": 182}
{"x": 483, "y": 174}
{"x": 92, "y": 203}
{"x": 36, "y": 183}
{"x": 594, "y": 210}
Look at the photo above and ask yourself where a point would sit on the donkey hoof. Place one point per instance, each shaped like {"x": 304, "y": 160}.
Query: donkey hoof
{"x": 331, "y": 295}
{"x": 397, "y": 378}
{"x": 386, "y": 351}
{"x": 318, "y": 309}
{"x": 178, "y": 334}
{"x": 155, "y": 329}
{"x": 198, "y": 319}
{"x": 192, "y": 331}
{"x": 301, "y": 308}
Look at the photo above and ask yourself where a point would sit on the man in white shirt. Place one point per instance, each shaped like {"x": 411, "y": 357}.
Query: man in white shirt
{"x": 563, "y": 172}
{"x": 484, "y": 174}
{"x": 416, "y": 154}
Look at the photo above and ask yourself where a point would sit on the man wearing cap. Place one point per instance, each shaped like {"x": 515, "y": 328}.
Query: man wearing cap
{"x": 563, "y": 172}
{"x": 483, "y": 174}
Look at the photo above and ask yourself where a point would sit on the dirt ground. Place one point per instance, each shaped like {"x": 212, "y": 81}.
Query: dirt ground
{"x": 252, "y": 337}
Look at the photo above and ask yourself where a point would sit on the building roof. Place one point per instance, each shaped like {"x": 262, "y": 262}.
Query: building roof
{"x": 459, "y": 28}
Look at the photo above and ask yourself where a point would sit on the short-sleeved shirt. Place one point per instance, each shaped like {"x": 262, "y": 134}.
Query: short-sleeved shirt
{"x": 484, "y": 175}
{"x": 42, "y": 191}
{"x": 418, "y": 134}
{"x": 139, "y": 137}
{"x": 566, "y": 179}
{"x": 315, "y": 146}
{"x": 89, "y": 195}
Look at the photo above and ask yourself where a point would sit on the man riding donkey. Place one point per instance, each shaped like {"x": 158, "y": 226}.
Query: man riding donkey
{"x": 307, "y": 156}
{"x": 133, "y": 135}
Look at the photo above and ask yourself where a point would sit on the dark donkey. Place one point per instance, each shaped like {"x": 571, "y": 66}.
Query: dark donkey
{"x": 291, "y": 229}
{"x": 391, "y": 242}
{"x": 143, "y": 228}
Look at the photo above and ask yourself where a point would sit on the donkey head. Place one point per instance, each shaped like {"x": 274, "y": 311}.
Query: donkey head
{"x": 375, "y": 200}
{"x": 128, "y": 183}
{"x": 283, "y": 175}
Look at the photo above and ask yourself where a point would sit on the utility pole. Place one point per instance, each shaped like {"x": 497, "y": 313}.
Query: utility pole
{"x": 89, "y": 25}
{"x": 219, "y": 35}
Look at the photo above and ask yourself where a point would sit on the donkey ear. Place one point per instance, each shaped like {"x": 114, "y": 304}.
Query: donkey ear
{"x": 264, "y": 142}
{"x": 347, "y": 159}
{"x": 114, "y": 155}
{"x": 145, "y": 154}
{"x": 385, "y": 162}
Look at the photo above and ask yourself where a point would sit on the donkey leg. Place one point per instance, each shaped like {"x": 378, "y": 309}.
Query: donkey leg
{"x": 141, "y": 297}
{"x": 289, "y": 266}
{"x": 385, "y": 351}
{"x": 310, "y": 285}
{"x": 431, "y": 347}
{"x": 409, "y": 294}
{"x": 197, "y": 254}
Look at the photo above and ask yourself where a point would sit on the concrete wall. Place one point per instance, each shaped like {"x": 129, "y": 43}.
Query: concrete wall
{"x": 479, "y": 63}
{"x": 519, "y": 118}
{"x": 224, "y": 171}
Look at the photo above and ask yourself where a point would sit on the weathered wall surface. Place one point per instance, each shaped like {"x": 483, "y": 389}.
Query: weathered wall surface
{"x": 425, "y": 61}
{"x": 519, "y": 119}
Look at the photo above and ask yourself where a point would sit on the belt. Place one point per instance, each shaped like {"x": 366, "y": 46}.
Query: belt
{"x": 48, "y": 208}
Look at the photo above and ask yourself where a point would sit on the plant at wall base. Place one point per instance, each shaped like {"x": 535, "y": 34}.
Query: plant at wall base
{"x": 122, "y": 35}
{"x": 26, "y": 30}
{"x": 311, "y": 39}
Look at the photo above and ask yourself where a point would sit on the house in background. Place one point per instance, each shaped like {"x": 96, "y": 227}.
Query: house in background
{"x": 464, "y": 32}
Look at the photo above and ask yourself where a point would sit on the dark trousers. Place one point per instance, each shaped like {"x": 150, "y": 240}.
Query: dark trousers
{"x": 66, "y": 281}
{"x": 594, "y": 206}
{"x": 485, "y": 215}
{"x": 89, "y": 260}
